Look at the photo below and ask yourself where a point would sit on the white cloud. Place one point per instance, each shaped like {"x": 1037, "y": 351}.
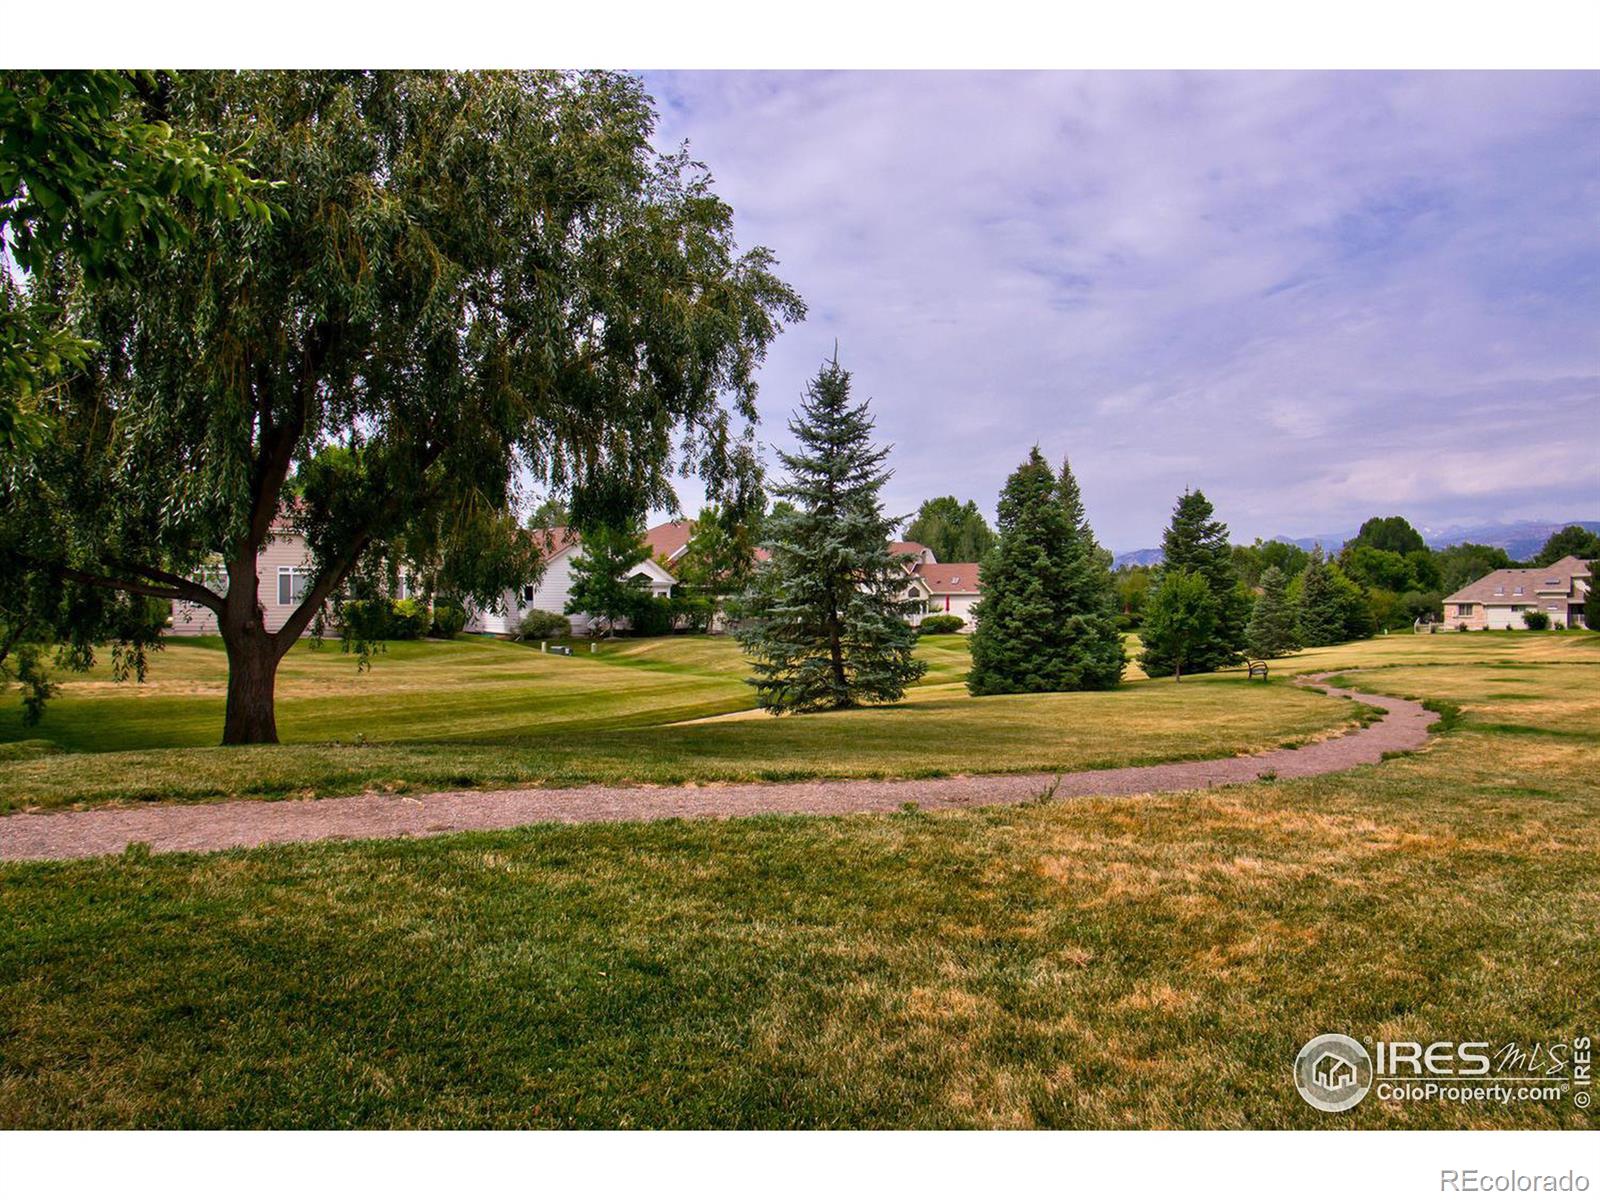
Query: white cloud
{"x": 1312, "y": 295}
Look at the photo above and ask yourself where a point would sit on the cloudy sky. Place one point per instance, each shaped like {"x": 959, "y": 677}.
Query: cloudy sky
{"x": 1315, "y": 296}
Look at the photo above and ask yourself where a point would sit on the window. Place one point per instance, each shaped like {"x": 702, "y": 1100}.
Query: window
{"x": 1499, "y": 591}
{"x": 292, "y": 584}
{"x": 1517, "y": 591}
{"x": 527, "y": 593}
{"x": 1464, "y": 610}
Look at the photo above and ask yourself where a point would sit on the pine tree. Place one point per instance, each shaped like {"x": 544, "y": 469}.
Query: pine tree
{"x": 1047, "y": 619}
{"x": 1272, "y": 623}
{"x": 1196, "y": 542}
{"x": 1090, "y": 604}
{"x": 1320, "y": 613}
{"x": 602, "y": 585}
{"x": 1179, "y": 623}
{"x": 828, "y": 614}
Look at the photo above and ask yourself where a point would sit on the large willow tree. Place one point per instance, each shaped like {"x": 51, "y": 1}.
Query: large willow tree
{"x": 478, "y": 282}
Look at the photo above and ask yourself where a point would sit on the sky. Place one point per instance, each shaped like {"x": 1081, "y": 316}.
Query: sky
{"x": 1316, "y": 297}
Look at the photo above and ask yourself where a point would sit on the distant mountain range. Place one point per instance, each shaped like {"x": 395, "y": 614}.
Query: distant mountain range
{"x": 1519, "y": 539}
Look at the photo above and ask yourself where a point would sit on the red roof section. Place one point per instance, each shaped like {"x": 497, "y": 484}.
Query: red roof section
{"x": 554, "y": 540}
{"x": 667, "y": 541}
{"x": 949, "y": 578}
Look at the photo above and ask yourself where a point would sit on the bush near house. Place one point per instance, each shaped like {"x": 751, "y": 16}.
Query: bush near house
{"x": 941, "y": 623}
{"x": 449, "y": 619}
{"x": 1536, "y": 620}
{"x": 536, "y": 624}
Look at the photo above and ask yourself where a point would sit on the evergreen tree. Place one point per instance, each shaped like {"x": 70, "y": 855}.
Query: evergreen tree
{"x": 1271, "y": 631}
{"x": 828, "y": 625}
{"x": 1574, "y": 540}
{"x": 602, "y": 581}
{"x": 1198, "y": 543}
{"x": 1047, "y": 619}
{"x": 1179, "y": 624}
{"x": 1330, "y": 606}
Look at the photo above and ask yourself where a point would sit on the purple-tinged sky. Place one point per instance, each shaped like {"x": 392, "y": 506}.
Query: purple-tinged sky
{"x": 1316, "y": 296}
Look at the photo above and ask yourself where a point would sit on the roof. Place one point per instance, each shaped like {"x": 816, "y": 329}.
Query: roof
{"x": 906, "y": 548}
{"x": 668, "y": 541}
{"x": 949, "y": 578}
{"x": 554, "y": 540}
{"x": 1554, "y": 580}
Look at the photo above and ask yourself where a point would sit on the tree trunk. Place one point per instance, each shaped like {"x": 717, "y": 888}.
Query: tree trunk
{"x": 836, "y": 652}
{"x": 252, "y": 677}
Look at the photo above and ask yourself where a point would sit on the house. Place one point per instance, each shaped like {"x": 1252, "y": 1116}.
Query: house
{"x": 940, "y": 587}
{"x": 559, "y": 546}
{"x": 283, "y": 573}
{"x": 1501, "y": 598}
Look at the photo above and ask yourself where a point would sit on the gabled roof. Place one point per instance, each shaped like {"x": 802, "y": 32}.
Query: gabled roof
{"x": 958, "y": 579}
{"x": 1555, "y": 580}
{"x": 553, "y": 540}
{"x": 667, "y": 542}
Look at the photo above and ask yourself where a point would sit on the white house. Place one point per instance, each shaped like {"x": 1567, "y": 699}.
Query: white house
{"x": 941, "y": 587}
{"x": 559, "y": 546}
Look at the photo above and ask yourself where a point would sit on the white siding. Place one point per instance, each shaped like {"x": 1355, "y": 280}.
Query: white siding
{"x": 551, "y": 595}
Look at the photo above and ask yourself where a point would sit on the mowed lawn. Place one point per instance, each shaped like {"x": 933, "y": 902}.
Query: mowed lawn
{"x": 479, "y": 713}
{"x": 1121, "y": 962}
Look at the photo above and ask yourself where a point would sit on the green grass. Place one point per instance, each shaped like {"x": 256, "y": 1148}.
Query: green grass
{"x": 1138, "y": 962}
{"x": 481, "y": 713}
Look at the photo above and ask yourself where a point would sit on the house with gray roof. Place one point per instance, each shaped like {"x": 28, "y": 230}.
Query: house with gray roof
{"x": 1501, "y": 599}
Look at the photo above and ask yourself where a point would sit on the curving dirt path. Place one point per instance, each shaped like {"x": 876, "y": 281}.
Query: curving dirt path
{"x": 238, "y": 823}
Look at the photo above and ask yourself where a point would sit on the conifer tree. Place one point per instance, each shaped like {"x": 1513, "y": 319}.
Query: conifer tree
{"x": 1324, "y": 608}
{"x": 1271, "y": 631}
{"x": 828, "y": 613}
{"x": 1197, "y": 542}
{"x": 1046, "y": 621}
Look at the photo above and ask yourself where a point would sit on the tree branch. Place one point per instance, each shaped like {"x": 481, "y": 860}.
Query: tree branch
{"x": 132, "y": 585}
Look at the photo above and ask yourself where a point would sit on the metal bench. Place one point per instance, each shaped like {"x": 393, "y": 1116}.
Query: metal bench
{"x": 1257, "y": 668}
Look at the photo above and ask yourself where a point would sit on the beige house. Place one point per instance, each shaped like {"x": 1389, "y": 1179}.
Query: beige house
{"x": 941, "y": 587}
{"x": 1501, "y": 599}
{"x": 283, "y": 573}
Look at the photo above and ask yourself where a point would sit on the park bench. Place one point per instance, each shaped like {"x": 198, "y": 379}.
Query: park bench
{"x": 1256, "y": 668}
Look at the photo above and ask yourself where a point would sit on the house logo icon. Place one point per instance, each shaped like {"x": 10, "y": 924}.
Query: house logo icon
{"x": 1333, "y": 1072}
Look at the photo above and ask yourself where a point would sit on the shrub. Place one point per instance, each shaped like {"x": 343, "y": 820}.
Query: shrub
{"x": 449, "y": 619}
{"x": 408, "y": 620}
{"x": 692, "y": 613}
{"x": 651, "y": 616}
{"x": 538, "y": 625}
{"x": 364, "y": 620}
{"x": 1536, "y": 620}
{"x": 941, "y": 623}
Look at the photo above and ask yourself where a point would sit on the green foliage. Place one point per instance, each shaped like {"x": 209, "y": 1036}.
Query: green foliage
{"x": 1573, "y": 540}
{"x": 551, "y": 513}
{"x": 1330, "y": 607}
{"x": 537, "y": 625}
{"x": 1047, "y": 619}
{"x": 827, "y": 614}
{"x": 692, "y": 613}
{"x": 1393, "y": 534}
{"x": 408, "y": 344}
{"x": 1460, "y": 565}
{"x": 954, "y": 531}
{"x": 1536, "y": 620}
{"x": 1271, "y": 631}
{"x": 448, "y": 620}
{"x": 940, "y": 623}
{"x": 1133, "y": 584}
{"x": 1252, "y": 561}
{"x": 408, "y": 620}
{"x": 603, "y": 581}
{"x": 720, "y": 555}
{"x": 1180, "y": 623}
{"x": 90, "y": 176}
{"x": 651, "y": 616}
{"x": 1196, "y": 542}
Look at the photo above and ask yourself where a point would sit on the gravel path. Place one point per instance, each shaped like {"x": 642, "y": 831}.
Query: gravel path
{"x": 235, "y": 823}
